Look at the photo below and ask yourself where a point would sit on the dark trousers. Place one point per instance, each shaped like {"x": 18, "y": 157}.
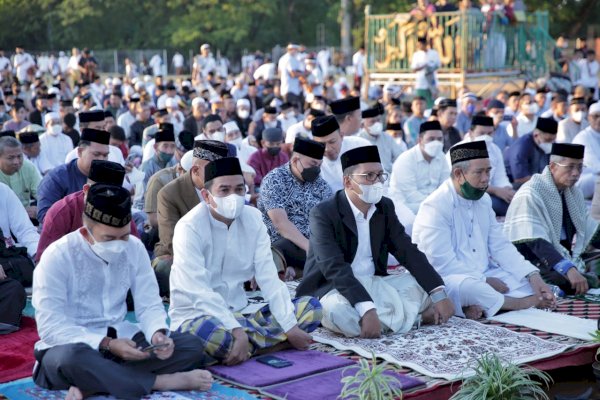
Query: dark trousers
{"x": 12, "y": 302}
{"x": 500, "y": 206}
{"x": 294, "y": 255}
{"x": 79, "y": 365}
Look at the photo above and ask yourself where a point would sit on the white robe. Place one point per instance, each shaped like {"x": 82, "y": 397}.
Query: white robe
{"x": 14, "y": 219}
{"x": 331, "y": 170}
{"x": 465, "y": 244}
{"x": 211, "y": 264}
{"x": 56, "y": 148}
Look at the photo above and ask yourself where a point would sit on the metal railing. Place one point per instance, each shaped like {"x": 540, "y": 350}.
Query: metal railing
{"x": 467, "y": 43}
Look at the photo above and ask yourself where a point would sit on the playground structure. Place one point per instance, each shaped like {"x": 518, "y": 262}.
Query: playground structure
{"x": 471, "y": 51}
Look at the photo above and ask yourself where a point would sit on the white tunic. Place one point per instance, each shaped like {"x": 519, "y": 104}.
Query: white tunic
{"x": 56, "y": 148}
{"x": 388, "y": 148}
{"x": 14, "y": 219}
{"x": 77, "y": 295}
{"x": 591, "y": 156}
{"x": 211, "y": 264}
{"x": 332, "y": 171}
{"x": 413, "y": 178}
{"x": 462, "y": 239}
{"x": 296, "y": 130}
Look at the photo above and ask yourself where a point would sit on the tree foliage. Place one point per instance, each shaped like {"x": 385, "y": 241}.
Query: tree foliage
{"x": 230, "y": 25}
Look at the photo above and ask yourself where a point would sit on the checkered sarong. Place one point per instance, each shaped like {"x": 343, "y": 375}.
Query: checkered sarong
{"x": 262, "y": 329}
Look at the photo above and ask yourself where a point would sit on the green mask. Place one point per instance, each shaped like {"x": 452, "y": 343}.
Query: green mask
{"x": 470, "y": 192}
{"x": 164, "y": 157}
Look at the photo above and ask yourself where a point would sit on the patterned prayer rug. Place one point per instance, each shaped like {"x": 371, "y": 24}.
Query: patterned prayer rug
{"x": 446, "y": 351}
{"x": 25, "y": 389}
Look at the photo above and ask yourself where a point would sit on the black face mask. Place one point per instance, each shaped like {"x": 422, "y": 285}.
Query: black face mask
{"x": 273, "y": 151}
{"x": 310, "y": 174}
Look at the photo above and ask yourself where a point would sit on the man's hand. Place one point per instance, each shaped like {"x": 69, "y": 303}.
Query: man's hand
{"x": 505, "y": 193}
{"x": 578, "y": 281}
{"x": 542, "y": 292}
{"x": 240, "y": 350}
{"x": 127, "y": 350}
{"x": 298, "y": 338}
{"x": 290, "y": 274}
{"x": 165, "y": 352}
{"x": 442, "y": 311}
{"x": 370, "y": 326}
{"x": 32, "y": 211}
{"x": 2, "y": 273}
{"x": 497, "y": 284}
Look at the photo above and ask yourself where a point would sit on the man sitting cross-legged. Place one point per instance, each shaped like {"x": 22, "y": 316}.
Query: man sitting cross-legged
{"x": 220, "y": 244}
{"x": 351, "y": 236}
{"x": 79, "y": 290}
{"x": 456, "y": 228}
{"x": 548, "y": 213}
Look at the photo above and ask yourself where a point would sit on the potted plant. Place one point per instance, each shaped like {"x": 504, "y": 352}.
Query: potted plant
{"x": 494, "y": 380}
{"x": 370, "y": 382}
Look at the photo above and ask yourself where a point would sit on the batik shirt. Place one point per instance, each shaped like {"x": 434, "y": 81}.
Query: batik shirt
{"x": 281, "y": 189}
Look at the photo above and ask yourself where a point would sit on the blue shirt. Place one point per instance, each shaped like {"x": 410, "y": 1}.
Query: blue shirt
{"x": 411, "y": 129}
{"x": 463, "y": 123}
{"x": 59, "y": 182}
{"x": 501, "y": 137}
{"x": 524, "y": 158}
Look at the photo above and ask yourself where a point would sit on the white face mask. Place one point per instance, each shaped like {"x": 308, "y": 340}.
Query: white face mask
{"x": 229, "y": 207}
{"x": 376, "y": 129}
{"x": 371, "y": 193}
{"x": 433, "y": 148}
{"x": 243, "y": 114}
{"x": 218, "y": 135}
{"x": 578, "y": 116}
{"x": 237, "y": 142}
{"x": 108, "y": 251}
{"x": 546, "y": 147}
{"x": 531, "y": 109}
{"x": 55, "y": 130}
{"x": 485, "y": 138}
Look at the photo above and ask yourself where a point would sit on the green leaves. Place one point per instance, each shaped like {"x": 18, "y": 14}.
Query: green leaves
{"x": 495, "y": 380}
{"x": 370, "y": 382}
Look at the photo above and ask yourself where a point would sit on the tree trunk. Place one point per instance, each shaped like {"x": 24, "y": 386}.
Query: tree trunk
{"x": 346, "y": 32}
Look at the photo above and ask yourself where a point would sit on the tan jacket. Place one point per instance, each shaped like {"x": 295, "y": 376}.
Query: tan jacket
{"x": 174, "y": 201}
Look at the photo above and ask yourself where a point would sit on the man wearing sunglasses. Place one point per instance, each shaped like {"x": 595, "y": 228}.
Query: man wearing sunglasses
{"x": 550, "y": 224}
{"x": 351, "y": 236}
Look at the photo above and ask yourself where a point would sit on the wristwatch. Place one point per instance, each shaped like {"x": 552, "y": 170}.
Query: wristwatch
{"x": 438, "y": 296}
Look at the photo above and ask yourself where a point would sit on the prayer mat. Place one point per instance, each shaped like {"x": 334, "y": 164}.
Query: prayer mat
{"x": 16, "y": 351}
{"x": 446, "y": 351}
{"x": 25, "y": 389}
{"x": 327, "y": 385}
{"x": 253, "y": 374}
{"x": 553, "y": 322}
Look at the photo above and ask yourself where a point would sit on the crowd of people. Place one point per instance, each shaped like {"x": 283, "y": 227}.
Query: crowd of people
{"x": 122, "y": 193}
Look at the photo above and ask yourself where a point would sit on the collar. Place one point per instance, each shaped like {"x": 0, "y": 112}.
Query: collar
{"x": 356, "y": 212}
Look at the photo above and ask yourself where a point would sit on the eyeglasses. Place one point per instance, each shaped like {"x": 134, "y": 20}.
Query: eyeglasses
{"x": 571, "y": 167}
{"x": 373, "y": 176}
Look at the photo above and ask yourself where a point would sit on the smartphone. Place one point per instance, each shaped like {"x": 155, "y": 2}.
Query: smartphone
{"x": 155, "y": 347}
{"x": 274, "y": 362}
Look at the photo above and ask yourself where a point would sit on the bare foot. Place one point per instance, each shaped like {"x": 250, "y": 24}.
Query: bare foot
{"x": 74, "y": 394}
{"x": 473, "y": 312}
{"x": 197, "y": 379}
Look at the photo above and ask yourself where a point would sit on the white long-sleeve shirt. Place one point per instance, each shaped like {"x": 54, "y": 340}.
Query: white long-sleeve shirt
{"x": 56, "y": 148}
{"x": 77, "y": 295}
{"x": 211, "y": 264}
{"x": 14, "y": 219}
{"x": 461, "y": 238}
{"x": 413, "y": 178}
{"x": 591, "y": 156}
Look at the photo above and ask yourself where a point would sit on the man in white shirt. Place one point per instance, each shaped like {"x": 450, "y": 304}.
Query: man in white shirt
{"x": 32, "y": 149}
{"x": 79, "y": 289}
{"x": 421, "y": 170}
{"x": 15, "y": 221}
{"x": 204, "y": 63}
{"x": 456, "y": 228}
{"x": 5, "y": 67}
{"x": 569, "y": 127}
{"x": 327, "y": 131}
{"x": 527, "y": 117}
{"x": 55, "y": 144}
{"x": 372, "y": 130}
{"x": 178, "y": 62}
{"x": 590, "y": 138}
{"x": 302, "y": 128}
{"x": 358, "y": 62}
{"x": 348, "y": 115}
{"x": 424, "y": 63}
{"x": 22, "y": 62}
{"x": 126, "y": 119}
{"x": 156, "y": 65}
{"x": 290, "y": 70}
{"x": 589, "y": 68}
{"x": 499, "y": 188}
{"x": 219, "y": 245}
{"x": 352, "y": 234}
